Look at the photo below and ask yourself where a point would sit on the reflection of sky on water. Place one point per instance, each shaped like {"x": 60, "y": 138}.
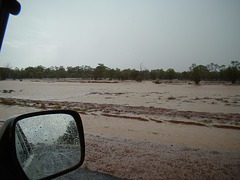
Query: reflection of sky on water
{"x": 45, "y": 128}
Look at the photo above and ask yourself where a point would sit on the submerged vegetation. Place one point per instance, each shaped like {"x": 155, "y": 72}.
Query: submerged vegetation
{"x": 196, "y": 73}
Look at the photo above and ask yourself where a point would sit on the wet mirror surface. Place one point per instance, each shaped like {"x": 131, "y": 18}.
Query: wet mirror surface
{"x": 47, "y": 144}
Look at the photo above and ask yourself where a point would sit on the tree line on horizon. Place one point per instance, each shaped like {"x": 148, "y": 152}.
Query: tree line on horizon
{"x": 196, "y": 73}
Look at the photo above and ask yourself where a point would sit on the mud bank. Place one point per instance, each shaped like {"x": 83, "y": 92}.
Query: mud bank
{"x": 219, "y": 120}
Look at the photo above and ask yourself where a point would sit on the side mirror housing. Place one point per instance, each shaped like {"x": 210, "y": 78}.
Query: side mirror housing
{"x": 41, "y": 145}
{"x": 7, "y": 6}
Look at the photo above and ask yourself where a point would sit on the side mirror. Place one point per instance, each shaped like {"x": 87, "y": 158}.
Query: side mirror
{"x": 47, "y": 144}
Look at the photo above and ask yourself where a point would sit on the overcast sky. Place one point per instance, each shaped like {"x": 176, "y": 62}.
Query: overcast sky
{"x": 123, "y": 33}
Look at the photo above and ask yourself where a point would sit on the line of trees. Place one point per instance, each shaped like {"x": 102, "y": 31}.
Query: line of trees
{"x": 211, "y": 72}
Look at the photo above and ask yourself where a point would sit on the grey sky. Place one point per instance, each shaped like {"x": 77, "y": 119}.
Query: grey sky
{"x": 123, "y": 33}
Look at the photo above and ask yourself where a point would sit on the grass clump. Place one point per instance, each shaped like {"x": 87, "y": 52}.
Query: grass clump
{"x": 131, "y": 130}
{"x": 58, "y": 107}
{"x": 171, "y": 98}
{"x": 43, "y": 106}
{"x": 157, "y": 82}
{"x": 207, "y": 121}
{"x": 6, "y": 102}
{"x": 197, "y": 98}
{"x": 8, "y": 91}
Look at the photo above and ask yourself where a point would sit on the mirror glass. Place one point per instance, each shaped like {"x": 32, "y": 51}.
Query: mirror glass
{"x": 47, "y": 144}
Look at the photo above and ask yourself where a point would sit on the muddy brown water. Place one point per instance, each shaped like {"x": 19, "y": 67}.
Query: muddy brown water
{"x": 139, "y": 149}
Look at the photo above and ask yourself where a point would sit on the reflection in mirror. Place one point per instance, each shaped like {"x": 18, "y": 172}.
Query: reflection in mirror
{"x": 47, "y": 144}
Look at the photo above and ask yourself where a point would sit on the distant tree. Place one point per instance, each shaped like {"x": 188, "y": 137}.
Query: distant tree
{"x": 61, "y": 72}
{"x": 145, "y": 74}
{"x": 213, "y": 67}
{"x": 185, "y": 75}
{"x": 117, "y": 74}
{"x": 40, "y": 72}
{"x": 195, "y": 73}
{"x": 87, "y": 72}
{"x": 111, "y": 74}
{"x": 170, "y": 74}
{"x": 139, "y": 78}
{"x": 134, "y": 74}
{"x": 213, "y": 72}
{"x": 71, "y": 72}
{"x": 50, "y": 72}
{"x": 235, "y": 64}
{"x": 125, "y": 74}
{"x": 232, "y": 73}
{"x": 15, "y": 73}
{"x": 4, "y": 73}
{"x": 153, "y": 74}
{"x": 198, "y": 73}
{"x": 178, "y": 75}
{"x": 161, "y": 74}
{"x": 100, "y": 72}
